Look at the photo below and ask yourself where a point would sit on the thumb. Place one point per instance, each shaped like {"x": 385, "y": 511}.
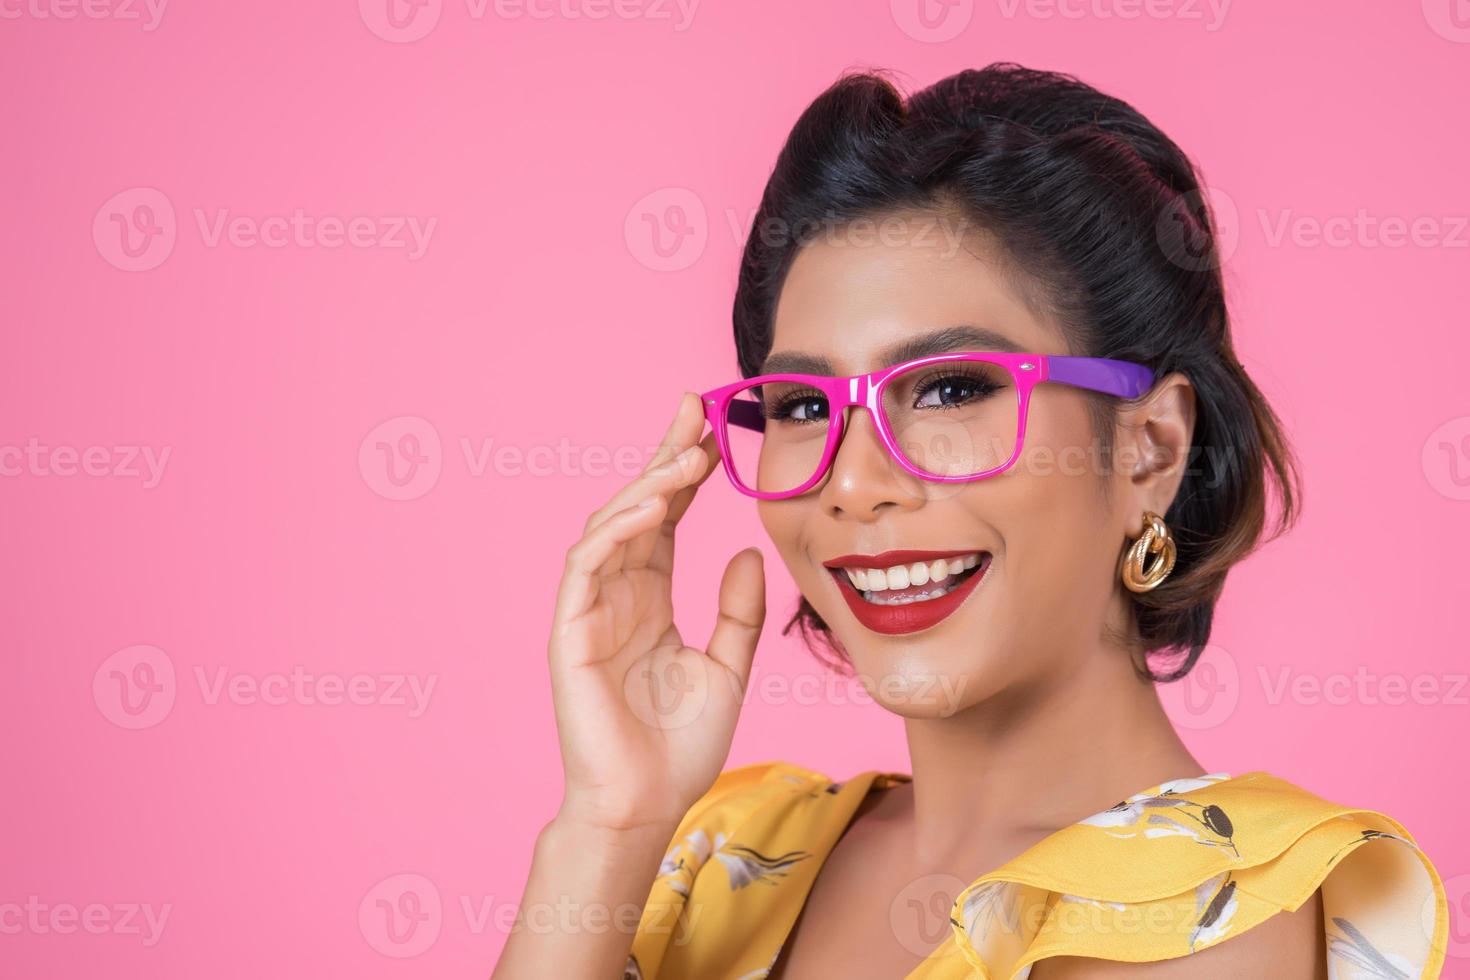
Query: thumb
{"x": 742, "y": 613}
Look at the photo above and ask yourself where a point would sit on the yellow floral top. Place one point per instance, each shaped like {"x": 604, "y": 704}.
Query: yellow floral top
{"x": 1169, "y": 871}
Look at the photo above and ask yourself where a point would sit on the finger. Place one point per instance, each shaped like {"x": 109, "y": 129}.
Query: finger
{"x": 658, "y": 551}
{"x": 581, "y": 578}
{"x": 682, "y": 433}
{"x": 742, "y": 613}
{"x": 685, "y": 473}
{"x": 684, "y": 497}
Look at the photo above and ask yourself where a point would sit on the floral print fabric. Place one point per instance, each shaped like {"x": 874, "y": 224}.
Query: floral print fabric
{"x": 1167, "y": 872}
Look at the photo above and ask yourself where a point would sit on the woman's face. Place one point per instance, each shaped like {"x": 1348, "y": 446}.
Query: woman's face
{"x": 1053, "y": 526}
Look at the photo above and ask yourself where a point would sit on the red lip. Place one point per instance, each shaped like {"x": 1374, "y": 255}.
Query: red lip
{"x": 901, "y": 557}
{"x": 913, "y": 616}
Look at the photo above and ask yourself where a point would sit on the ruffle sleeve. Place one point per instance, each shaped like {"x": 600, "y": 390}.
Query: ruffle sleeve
{"x": 667, "y": 923}
{"x": 1194, "y": 862}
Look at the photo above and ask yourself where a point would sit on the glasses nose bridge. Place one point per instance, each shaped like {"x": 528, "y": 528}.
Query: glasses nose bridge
{"x": 859, "y": 393}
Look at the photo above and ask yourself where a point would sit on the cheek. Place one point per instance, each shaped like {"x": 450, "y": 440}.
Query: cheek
{"x": 1054, "y": 516}
{"x": 784, "y": 521}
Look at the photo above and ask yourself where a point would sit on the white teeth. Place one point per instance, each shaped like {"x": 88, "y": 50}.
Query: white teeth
{"x": 871, "y": 580}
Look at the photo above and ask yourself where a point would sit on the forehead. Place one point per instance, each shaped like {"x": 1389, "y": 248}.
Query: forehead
{"x": 850, "y": 299}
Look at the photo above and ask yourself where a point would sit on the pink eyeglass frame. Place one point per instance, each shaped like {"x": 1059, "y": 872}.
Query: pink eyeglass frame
{"x": 1123, "y": 379}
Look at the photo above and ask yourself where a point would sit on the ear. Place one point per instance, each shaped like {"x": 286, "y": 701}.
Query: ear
{"x": 1154, "y": 435}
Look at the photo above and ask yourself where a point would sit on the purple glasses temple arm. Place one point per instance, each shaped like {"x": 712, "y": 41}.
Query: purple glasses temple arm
{"x": 1122, "y": 378}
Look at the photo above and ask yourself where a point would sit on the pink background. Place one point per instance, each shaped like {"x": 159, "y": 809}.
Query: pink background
{"x": 544, "y": 150}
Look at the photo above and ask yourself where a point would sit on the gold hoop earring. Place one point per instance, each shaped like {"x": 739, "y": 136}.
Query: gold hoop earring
{"x": 1155, "y": 540}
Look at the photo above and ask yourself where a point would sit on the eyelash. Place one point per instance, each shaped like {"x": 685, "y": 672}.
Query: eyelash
{"x": 942, "y": 373}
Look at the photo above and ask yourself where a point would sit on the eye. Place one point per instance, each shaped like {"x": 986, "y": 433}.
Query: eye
{"x": 800, "y": 407}
{"x": 953, "y": 388}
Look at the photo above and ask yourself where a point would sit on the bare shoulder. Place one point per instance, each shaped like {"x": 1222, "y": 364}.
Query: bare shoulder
{"x": 1287, "y": 946}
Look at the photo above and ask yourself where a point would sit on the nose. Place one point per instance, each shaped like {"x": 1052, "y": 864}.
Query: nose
{"x": 864, "y": 479}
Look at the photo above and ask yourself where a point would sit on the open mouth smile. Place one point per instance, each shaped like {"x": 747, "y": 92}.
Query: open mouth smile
{"x": 906, "y": 591}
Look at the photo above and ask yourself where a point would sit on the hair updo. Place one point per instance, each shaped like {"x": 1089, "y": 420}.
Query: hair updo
{"x": 1109, "y": 221}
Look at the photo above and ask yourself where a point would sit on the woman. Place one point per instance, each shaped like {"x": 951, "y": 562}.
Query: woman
{"x": 994, "y": 424}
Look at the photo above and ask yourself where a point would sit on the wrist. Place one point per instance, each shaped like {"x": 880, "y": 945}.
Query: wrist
{"x": 569, "y": 829}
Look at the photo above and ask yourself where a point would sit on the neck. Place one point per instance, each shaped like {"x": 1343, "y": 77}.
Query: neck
{"x": 1032, "y": 761}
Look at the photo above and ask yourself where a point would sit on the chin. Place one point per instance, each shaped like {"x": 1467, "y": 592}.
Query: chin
{"x": 916, "y": 686}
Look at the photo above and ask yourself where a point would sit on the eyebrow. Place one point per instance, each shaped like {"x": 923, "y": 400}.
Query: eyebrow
{"x": 956, "y": 338}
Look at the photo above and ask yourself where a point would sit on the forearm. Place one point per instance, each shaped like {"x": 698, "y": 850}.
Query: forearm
{"x": 582, "y": 902}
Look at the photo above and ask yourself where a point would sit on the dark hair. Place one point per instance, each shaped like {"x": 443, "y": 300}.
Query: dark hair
{"x": 1109, "y": 221}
